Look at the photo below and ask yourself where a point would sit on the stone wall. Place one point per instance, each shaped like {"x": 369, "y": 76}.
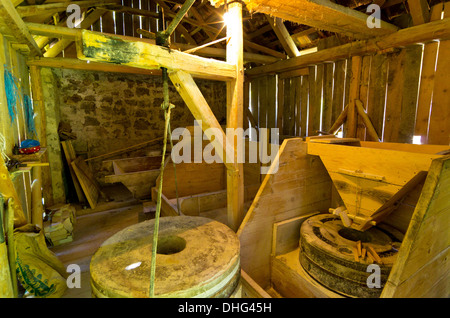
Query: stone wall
{"x": 110, "y": 111}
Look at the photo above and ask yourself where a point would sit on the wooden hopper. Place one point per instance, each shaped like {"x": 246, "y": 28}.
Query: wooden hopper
{"x": 371, "y": 182}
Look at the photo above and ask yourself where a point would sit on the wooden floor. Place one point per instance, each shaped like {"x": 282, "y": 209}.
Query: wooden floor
{"x": 90, "y": 231}
{"x": 93, "y": 227}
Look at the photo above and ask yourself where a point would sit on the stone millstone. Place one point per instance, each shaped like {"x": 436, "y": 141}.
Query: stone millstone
{"x": 326, "y": 253}
{"x": 197, "y": 257}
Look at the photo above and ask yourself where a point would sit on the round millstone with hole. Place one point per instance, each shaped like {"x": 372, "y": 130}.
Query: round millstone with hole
{"x": 326, "y": 253}
{"x": 196, "y": 257}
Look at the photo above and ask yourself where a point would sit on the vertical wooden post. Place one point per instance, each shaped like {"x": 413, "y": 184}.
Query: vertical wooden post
{"x": 40, "y": 124}
{"x": 235, "y": 99}
{"x": 353, "y": 94}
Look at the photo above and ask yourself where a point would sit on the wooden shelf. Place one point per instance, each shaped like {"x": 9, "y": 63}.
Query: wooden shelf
{"x": 30, "y": 157}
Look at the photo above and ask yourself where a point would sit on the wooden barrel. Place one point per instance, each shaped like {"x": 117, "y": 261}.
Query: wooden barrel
{"x": 196, "y": 257}
{"x": 326, "y": 254}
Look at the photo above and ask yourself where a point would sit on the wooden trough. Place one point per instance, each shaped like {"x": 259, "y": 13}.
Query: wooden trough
{"x": 202, "y": 189}
{"x": 313, "y": 177}
{"x": 138, "y": 174}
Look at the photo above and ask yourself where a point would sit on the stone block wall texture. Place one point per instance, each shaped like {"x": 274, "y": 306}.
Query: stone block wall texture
{"x": 111, "y": 111}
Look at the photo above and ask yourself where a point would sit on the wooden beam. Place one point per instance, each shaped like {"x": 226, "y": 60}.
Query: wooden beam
{"x": 51, "y": 31}
{"x": 57, "y": 48}
{"x": 235, "y": 112}
{"x": 283, "y": 35}
{"x": 350, "y": 127}
{"x": 76, "y": 64}
{"x": 424, "y": 33}
{"x": 180, "y": 27}
{"x": 419, "y": 10}
{"x": 33, "y": 10}
{"x": 17, "y": 27}
{"x": 302, "y": 37}
{"x": 321, "y": 14}
{"x": 101, "y": 48}
{"x": 189, "y": 91}
{"x": 264, "y": 49}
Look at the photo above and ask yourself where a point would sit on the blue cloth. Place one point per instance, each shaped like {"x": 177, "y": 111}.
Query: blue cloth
{"x": 12, "y": 93}
{"x": 28, "y": 143}
{"x": 29, "y": 116}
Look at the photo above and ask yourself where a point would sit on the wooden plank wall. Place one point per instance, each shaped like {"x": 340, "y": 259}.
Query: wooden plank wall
{"x": 123, "y": 23}
{"x": 300, "y": 186}
{"x": 404, "y": 91}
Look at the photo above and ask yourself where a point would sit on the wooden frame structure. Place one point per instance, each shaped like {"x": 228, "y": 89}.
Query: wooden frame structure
{"x": 182, "y": 67}
{"x": 285, "y": 199}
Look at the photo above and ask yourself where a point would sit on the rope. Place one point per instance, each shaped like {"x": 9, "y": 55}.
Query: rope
{"x": 166, "y": 106}
{"x": 175, "y": 173}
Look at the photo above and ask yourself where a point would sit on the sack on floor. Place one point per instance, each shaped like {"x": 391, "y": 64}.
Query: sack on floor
{"x": 39, "y": 271}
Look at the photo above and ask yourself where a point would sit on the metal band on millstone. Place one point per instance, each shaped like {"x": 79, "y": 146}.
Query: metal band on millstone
{"x": 197, "y": 257}
{"x": 326, "y": 254}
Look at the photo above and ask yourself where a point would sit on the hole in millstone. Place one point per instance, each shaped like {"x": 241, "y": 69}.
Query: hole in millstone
{"x": 170, "y": 245}
{"x": 354, "y": 235}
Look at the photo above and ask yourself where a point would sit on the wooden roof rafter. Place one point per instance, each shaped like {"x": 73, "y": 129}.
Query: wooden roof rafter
{"x": 13, "y": 25}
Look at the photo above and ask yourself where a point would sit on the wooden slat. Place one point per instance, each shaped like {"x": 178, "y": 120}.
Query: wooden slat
{"x": 411, "y": 77}
{"x": 292, "y": 107}
{"x": 298, "y": 111}
{"x": 87, "y": 182}
{"x": 427, "y": 81}
{"x": 108, "y": 22}
{"x": 439, "y": 128}
{"x": 263, "y": 102}
{"x": 377, "y": 92}
{"x": 287, "y": 106}
{"x": 304, "y": 106}
{"x": 394, "y": 96}
{"x": 70, "y": 156}
{"x": 315, "y": 100}
{"x": 271, "y": 107}
{"x": 128, "y": 19}
{"x": 254, "y": 99}
{"x": 136, "y": 19}
{"x": 286, "y": 234}
{"x": 119, "y": 23}
{"x": 338, "y": 90}
{"x": 328, "y": 96}
{"x": 280, "y": 101}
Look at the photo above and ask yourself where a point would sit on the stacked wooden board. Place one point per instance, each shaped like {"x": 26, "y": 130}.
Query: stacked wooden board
{"x": 59, "y": 228}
